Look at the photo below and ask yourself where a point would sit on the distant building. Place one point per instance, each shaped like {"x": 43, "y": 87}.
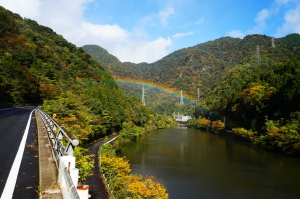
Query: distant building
{"x": 182, "y": 118}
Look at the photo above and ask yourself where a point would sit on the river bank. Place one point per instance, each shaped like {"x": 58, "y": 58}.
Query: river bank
{"x": 192, "y": 163}
{"x": 98, "y": 187}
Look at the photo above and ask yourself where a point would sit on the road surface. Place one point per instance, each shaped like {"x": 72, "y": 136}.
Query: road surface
{"x": 18, "y": 153}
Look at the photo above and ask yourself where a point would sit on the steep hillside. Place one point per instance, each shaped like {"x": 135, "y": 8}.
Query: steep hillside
{"x": 202, "y": 66}
{"x": 39, "y": 66}
{"x": 213, "y": 59}
{"x": 252, "y": 82}
{"x": 110, "y": 62}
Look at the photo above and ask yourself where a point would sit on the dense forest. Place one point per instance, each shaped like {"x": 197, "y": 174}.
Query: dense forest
{"x": 38, "y": 66}
{"x": 249, "y": 86}
{"x": 199, "y": 67}
{"x": 253, "y": 82}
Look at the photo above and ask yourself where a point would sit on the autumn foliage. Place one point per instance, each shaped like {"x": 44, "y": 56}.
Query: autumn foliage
{"x": 204, "y": 123}
{"x": 250, "y": 135}
{"x": 125, "y": 185}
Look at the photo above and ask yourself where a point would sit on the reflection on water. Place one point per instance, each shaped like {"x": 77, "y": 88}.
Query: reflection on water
{"x": 195, "y": 164}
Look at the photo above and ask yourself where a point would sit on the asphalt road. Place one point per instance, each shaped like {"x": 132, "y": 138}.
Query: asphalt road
{"x": 18, "y": 181}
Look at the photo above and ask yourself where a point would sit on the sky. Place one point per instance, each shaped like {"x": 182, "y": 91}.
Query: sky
{"x": 147, "y": 30}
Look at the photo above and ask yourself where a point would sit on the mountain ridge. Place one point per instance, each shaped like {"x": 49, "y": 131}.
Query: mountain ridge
{"x": 202, "y": 66}
{"x": 212, "y": 56}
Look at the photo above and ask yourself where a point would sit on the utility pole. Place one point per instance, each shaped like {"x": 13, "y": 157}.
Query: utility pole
{"x": 258, "y": 56}
{"x": 266, "y": 118}
{"x": 273, "y": 44}
{"x": 143, "y": 96}
{"x": 181, "y": 98}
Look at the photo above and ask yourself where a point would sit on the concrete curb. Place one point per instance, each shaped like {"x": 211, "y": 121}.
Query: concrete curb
{"x": 48, "y": 174}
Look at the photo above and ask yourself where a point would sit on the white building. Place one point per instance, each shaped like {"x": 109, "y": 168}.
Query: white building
{"x": 182, "y": 118}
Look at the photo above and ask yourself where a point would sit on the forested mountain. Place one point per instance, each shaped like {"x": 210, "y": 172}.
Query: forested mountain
{"x": 111, "y": 63}
{"x": 201, "y": 66}
{"x": 38, "y": 66}
{"x": 254, "y": 82}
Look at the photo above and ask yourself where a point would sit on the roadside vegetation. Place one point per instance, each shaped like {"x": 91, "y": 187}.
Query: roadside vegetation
{"x": 123, "y": 184}
{"x": 38, "y": 66}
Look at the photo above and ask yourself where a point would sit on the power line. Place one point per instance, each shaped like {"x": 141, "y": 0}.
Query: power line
{"x": 258, "y": 55}
{"x": 143, "y": 96}
{"x": 181, "y": 98}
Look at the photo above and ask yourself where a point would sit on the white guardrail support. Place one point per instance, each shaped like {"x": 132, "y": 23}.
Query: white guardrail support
{"x": 64, "y": 159}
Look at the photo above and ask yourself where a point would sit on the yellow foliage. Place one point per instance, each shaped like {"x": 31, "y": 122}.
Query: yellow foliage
{"x": 125, "y": 185}
{"x": 147, "y": 189}
{"x": 245, "y": 133}
{"x": 75, "y": 126}
{"x": 115, "y": 166}
{"x": 258, "y": 93}
{"x": 276, "y": 132}
{"x": 217, "y": 125}
{"x": 204, "y": 123}
{"x": 70, "y": 119}
{"x": 235, "y": 107}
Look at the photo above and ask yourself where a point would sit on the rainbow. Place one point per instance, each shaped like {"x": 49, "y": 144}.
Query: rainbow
{"x": 166, "y": 90}
{"x": 152, "y": 86}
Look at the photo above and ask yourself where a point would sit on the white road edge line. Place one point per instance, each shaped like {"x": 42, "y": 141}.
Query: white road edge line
{"x": 14, "y": 171}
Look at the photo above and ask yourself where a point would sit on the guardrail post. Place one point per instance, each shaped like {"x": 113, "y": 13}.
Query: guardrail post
{"x": 83, "y": 191}
{"x": 65, "y": 180}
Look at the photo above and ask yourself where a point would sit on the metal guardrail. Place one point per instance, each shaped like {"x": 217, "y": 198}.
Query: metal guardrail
{"x": 56, "y": 133}
{"x": 62, "y": 144}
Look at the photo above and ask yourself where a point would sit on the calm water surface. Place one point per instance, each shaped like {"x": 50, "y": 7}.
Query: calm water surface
{"x": 195, "y": 164}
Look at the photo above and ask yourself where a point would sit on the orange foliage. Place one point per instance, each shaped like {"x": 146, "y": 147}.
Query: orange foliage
{"x": 12, "y": 41}
{"x": 70, "y": 119}
{"x": 49, "y": 91}
{"x": 297, "y": 145}
{"x": 217, "y": 125}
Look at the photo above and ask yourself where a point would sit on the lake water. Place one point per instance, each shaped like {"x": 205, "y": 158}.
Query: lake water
{"x": 196, "y": 164}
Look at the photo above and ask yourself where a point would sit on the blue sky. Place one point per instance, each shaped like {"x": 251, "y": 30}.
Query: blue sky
{"x": 147, "y": 30}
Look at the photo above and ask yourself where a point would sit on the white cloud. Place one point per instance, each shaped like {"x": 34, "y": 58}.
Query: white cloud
{"x": 179, "y": 35}
{"x": 164, "y": 14}
{"x": 147, "y": 19}
{"x": 105, "y": 32}
{"x": 291, "y": 17}
{"x": 200, "y": 21}
{"x": 66, "y": 17}
{"x": 236, "y": 34}
{"x": 142, "y": 51}
{"x": 261, "y": 17}
{"x": 292, "y": 22}
{"x": 282, "y": 1}
{"x": 28, "y": 8}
